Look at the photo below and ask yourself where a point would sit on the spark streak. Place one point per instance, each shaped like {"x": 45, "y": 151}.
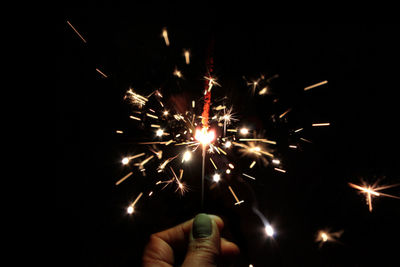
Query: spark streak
{"x": 315, "y": 85}
{"x": 259, "y": 140}
{"x": 80, "y": 36}
{"x": 131, "y": 207}
{"x": 187, "y": 56}
{"x": 101, "y": 73}
{"x": 165, "y": 35}
{"x": 238, "y": 202}
{"x": 123, "y": 178}
{"x": 248, "y": 176}
{"x": 321, "y": 124}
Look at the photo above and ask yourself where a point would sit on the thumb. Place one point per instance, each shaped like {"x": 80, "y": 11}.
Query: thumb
{"x": 204, "y": 243}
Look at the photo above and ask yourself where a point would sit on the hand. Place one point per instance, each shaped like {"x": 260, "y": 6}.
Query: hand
{"x": 199, "y": 237}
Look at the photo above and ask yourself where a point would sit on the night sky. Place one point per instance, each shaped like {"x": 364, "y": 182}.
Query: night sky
{"x": 361, "y": 64}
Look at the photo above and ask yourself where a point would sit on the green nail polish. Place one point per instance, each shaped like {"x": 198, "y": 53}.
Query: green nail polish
{"x": 202, "y": 226}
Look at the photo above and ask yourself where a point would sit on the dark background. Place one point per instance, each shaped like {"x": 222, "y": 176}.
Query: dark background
{"x": 360, "y": 63}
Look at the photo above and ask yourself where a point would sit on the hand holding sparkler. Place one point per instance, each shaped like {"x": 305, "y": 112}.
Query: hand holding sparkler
{"x": 200, "y": 236}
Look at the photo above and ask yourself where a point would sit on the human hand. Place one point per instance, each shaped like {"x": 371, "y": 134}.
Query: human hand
{"x": 198, "y": 239}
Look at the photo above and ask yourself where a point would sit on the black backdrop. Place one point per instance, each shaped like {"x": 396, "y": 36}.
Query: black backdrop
{"x": 360, "y": 63}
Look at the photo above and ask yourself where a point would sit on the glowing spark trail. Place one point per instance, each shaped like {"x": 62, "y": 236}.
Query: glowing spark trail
{"x": 234, "y": 195}
{"x": 101, "y": 73}
{"x": 80, "y": 36}
{"x": 124, "y": 178}
{"x": 131, "y": 207}
{"x": 321, "y": 124}
{"x": 165, "y": 35}
{"x": 187, "y": 56}
{"x": 315, "y": 85}
{"x": 248, "y": 176}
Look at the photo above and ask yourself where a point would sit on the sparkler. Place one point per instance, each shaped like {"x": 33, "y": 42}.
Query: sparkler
{"x": 205, "y": 136}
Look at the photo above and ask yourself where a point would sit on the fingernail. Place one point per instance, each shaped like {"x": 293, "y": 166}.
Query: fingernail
{"x": 202, "y": 226}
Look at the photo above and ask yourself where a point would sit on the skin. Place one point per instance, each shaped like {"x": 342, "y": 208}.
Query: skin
{"x": 213, "y": 250}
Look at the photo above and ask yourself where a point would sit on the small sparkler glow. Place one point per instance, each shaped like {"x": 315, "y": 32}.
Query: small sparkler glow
{"x": 216, "y": 177}
{"x": 326, "y": 235}
{"x": 371, "y": 191}
{"x": 131, "y": 207}
{"x": 269, "y": 230}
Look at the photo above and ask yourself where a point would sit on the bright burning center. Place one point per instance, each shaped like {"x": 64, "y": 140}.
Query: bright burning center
{"x": 203, "y": 136}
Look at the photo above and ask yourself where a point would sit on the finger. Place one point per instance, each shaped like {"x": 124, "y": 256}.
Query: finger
{"x": 204, "y": 243}
{"x": 229, "y": 249}
{"x": 178, "y": 236}
{"x": 161, "y": 246}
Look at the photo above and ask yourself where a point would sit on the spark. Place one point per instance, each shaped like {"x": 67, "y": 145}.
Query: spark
{"x": 101, "y": 73}
{"x": 166, "y": 112}
{"x": 315, "y": 85}
{"x": 177, "y": 73}
{"x": 134, "y": 118}
{"x": 284, "y": 113}
{"x": 372, "y": 190}
{"x": 181, "y": 186}
{"x": 131, "y": 207}
{"x": 193, "y": 104}
{"x": 228, "y": 171}
{"x": 119, "y": 132}
{"x": 213, "y": 163}
{"x": 280, "y": 170}
{"x": 252, "y": 164}
{"x": 234, "y": 195}
{"x": 216, "y": 177}
{"x": 298, "y": 130}
{"x": 326, "y": 235}
{"x": 165, "y": 35}
{"x": 305, "y": 140}
{"x": 80, "y": 36}
{"x": 136, "y": 99}
{"x": 293, "y": 146}
{"x": 187, "y": 56}
{"x": 321, "y": 124}
{"x": 228, "y": 144}
{"x": 276, "y": 161}
{"x": 186, "y": 156}
{"x": 155, "y": 125}
{"x": 151, "y": 116}
{"x": 259, "y": 140}
{"x": 159, "y": 132}
{"x": 244, "y": 131}
{"x": 127, "y": 159}
{"x": 211, "y": 82}
{"x": 146, "y": 160}
{"x": 222, "y": 151}
{"x": 263, "y": 91}
{"x": 123, "y": 178}
{"x": 248, "y": 176}
{"x": 269, "y": 230}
